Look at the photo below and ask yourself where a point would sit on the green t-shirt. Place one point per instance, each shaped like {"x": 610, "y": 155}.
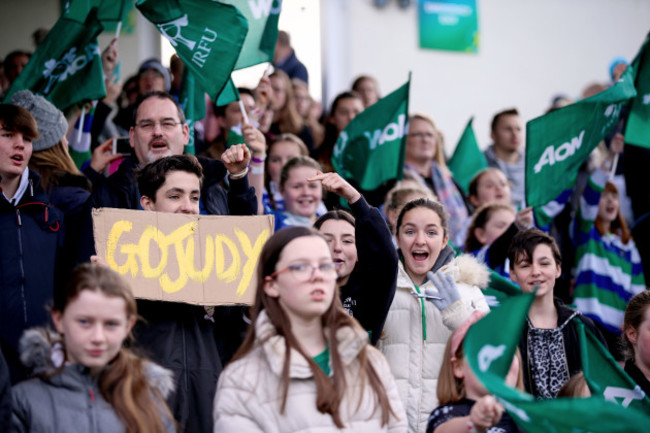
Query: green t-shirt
{"x": 323, "y": 360}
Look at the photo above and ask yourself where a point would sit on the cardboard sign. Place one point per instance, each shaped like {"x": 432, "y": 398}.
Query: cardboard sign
{"x": 198, "y": 259}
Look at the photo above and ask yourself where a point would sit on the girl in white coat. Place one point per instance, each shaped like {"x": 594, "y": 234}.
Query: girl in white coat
{"x": 305, "y": 365}
{"x": 416, "y": 331}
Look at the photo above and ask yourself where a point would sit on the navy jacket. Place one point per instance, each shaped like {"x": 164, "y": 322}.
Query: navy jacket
{"x": 293, "y": 67}
{"x": 31, "y": 247}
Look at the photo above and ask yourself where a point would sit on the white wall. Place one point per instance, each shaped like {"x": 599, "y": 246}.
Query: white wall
{"x": 529, "y": 51}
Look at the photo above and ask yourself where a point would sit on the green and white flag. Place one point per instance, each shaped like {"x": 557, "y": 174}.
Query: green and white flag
{"x": 235, "y": 136}
{"x": 490, "y": 345}
{"x": 467, "y": 159}
{"x": 638, "y": 122}
{"x": 370, "y": 150}
{"x": 605, "y": 377}
{"x": 192, "y": 101}
{"x": 66, "y": 68}
{"x": 557, "y": 143}
{"x": 207, "y": 35}
{"x": 262, "y": 17}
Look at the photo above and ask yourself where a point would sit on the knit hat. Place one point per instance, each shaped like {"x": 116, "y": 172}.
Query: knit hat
{"x": 156, "y": 65}
{"x": 51, "y": 122}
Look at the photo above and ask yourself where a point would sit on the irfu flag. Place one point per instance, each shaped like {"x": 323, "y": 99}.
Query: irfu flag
{"x": 489, "y": 347}
{"x": 638, "y": 122}
{"x": 66, "y": 68}
{"x": 467, "y": 159}
{"x": 557, "y": 143}
{"x": 370, "y": 150}
{"x": 499, "y": 289}
{"x": 207, "y": 36}
{"x": 192, "y": 101}
{"x": 262, "y": 17}
{"x": 605, "y": 377}
{"x": 235, "y": 136}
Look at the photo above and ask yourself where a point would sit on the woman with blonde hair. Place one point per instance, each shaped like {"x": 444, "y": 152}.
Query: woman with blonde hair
{"x": 285, "y": 114}
{"x": 425, "y": 158}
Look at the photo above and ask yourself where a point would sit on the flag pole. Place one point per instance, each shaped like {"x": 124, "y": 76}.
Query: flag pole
{"x": 612, "y": 172}
{"x": 243, "y": 111}
{"x": 119, "y": 28}
{"x": 81, "y": 124}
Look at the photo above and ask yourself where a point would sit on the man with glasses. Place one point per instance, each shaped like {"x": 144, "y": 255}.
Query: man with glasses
{"x": 158, "y": 130}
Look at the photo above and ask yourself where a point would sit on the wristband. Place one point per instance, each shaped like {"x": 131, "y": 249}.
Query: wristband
{"x": 258, "y": 160}
{"x": 471, "y": 428}
{"x": 238, "y": 175}
{"x": 256, "y": 170}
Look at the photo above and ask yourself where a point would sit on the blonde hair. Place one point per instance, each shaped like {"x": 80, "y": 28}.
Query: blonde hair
{"x": 440, "y": 139}
{"x": 50, "y": 163}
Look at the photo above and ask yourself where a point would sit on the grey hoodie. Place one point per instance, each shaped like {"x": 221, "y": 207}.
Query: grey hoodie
{"x": 69, "y": 401}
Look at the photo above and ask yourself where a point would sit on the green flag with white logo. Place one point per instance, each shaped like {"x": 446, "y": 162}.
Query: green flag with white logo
{"x": 558, "y": 142}
{"x": 66, "y": 68}
{"x": 192, "y": 101}
{"x": 467, "y": 159}
{"x": 262, "y": 17}
{"x": 638, "y": 122}
{"x": 490, "y": 345}
{"x": 605, "y": 377}
{"x": 207, "y": 36}
{"x": 370, "y": 150}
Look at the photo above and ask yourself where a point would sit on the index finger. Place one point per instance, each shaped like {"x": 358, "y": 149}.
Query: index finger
{"x": 318, "y": 177}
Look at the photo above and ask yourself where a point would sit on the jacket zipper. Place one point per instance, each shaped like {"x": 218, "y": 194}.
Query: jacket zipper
{"x": 424, "y": 318}
{"x": 21, "y": 265}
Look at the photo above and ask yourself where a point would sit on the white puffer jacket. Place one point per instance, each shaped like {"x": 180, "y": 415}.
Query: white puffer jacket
{"x": 249, "y": 393}
{"x": 414, "y": 360}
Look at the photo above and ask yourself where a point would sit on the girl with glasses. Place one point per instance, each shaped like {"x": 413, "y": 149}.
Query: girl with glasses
{"x": 305, "y": 364}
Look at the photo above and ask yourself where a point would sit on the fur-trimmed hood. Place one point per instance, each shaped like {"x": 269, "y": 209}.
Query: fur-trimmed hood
{"x": 465, "y": 269}
{"x": 42, "y": 353}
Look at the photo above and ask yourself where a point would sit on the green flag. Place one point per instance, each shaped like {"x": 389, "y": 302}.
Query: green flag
{"x": 605, "y": 377}
{"x": 66, "y": 68}
{"x": 467, "y": 159}
{"x": 207, "y": 36}
{"x": 235, "y": 136}
{"x": 228, "y": 94}
{"x": 262, "y": 17}
{"x": 489, "y": 347}
{"x": 557, "y": 143}
{"x": 370, "y": 150}
{"x": 638, "y": 122}
{"x": 192, "y": 102}
{"x": 499, "y": 289}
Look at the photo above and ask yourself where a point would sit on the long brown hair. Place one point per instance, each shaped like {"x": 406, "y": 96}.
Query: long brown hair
{"x": 618, "y": 226}
{"x": 329, "y": 391}
{"x": 51, "y": 163}
{"x": 123, "y": 383}
{"x": 289, "y": 120}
